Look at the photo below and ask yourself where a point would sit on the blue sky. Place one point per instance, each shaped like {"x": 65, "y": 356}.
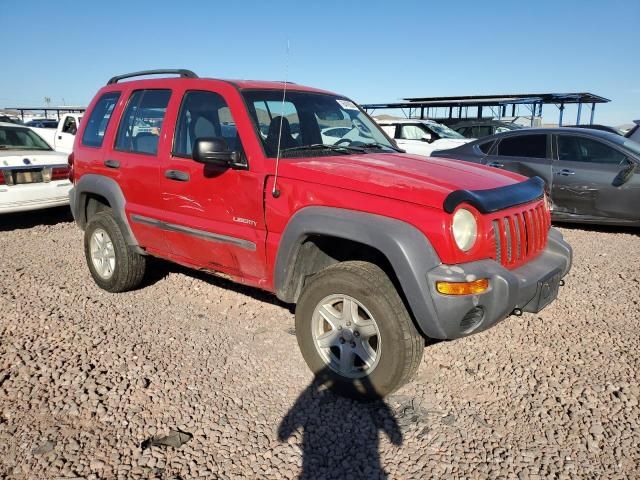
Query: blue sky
{"x": 371, "y": 51}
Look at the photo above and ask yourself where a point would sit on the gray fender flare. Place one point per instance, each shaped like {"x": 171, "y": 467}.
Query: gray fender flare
{"x": 105, "y": 187}
{"x": 409, "y": 252}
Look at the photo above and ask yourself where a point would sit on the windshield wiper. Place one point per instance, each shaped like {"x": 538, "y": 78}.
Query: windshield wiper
{"x": 381, "y": 146}
{"x": 322, "y": 146}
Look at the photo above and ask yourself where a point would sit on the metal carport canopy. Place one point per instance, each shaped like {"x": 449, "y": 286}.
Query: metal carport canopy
{"x": 536, "y": 100}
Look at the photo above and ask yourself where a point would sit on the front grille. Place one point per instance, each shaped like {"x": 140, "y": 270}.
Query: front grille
{"x": 521, "y": 235}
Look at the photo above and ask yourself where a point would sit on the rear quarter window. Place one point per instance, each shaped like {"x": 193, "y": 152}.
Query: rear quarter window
{"x": 99, "y": 120}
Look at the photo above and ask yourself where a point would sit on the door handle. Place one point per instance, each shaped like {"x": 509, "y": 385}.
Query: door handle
{"x": 59, "y": 137}
{"x": 112, "y": 163}
{"x": 177, "y": 175}
{"x": 565, "y": 172}
{"x": 496, "y": 164}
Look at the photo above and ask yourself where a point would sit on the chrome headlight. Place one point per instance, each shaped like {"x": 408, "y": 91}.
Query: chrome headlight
{"x": 464, "y": 229}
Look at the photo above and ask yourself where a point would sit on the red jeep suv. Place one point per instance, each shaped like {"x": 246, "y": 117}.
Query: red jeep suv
{"x": 297, "y": 191}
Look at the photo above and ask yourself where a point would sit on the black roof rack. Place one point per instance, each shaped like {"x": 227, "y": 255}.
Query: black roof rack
{"x": 182, "y": 72}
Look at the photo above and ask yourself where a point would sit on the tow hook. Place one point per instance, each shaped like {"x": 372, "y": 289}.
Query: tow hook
{"x": 561, "y": 283}
{"x": 517, "y": 312}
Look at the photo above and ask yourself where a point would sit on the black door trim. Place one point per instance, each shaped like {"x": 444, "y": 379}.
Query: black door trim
{"x": 214, "y": 237}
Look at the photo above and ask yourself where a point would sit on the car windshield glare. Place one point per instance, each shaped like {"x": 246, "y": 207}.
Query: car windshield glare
{"x": 20, "y": 138}
{"x": 309, "y": 124}
{"x": 444, "y": 132}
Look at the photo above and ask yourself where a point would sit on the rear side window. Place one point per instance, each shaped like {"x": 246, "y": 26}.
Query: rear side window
{"x": 530, "y": 146}
{"x": 99, "y": 120}
{"x": 139, "y": 129}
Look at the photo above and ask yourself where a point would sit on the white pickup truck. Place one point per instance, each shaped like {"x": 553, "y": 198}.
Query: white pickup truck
{"x": 61, "y": 139}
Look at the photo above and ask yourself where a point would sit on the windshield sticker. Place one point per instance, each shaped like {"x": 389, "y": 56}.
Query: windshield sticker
{"x": 347, "y": 105}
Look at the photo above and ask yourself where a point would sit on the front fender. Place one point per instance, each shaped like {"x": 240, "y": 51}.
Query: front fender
{"x": 409, "y": 252}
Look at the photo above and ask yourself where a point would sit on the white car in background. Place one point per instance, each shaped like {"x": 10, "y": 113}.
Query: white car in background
{"x": 421, "y": 137}
{"x": 61, "y": 138}
{"x": 32, "y": 175}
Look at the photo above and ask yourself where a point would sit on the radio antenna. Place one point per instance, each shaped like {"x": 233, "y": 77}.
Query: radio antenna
{"x": 275, "y": 192}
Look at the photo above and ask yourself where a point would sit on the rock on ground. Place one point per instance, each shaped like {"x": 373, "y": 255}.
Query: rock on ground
{"x": 87, "y": 377}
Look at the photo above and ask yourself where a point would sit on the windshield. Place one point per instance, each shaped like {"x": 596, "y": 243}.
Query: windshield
{"x": 312, "y": 124}
{"x": 632, "y": 145}
{"x": 16, "y": 138}
{"x": 443, "y": 131}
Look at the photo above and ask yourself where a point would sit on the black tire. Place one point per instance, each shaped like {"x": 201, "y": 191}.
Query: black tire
{"x": 129, "y": 265}
{"x": 401, "y": 345}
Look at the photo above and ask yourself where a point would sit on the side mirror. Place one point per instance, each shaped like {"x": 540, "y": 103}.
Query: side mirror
{"x": 427, "y": 137}
{"x": 624, "y": 175}
{"x": 213, "y": 151}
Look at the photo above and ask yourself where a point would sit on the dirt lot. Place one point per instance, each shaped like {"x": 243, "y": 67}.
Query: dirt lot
{"x": 86, "y": 377}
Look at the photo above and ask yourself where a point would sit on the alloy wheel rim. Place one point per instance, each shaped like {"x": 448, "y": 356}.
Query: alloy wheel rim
{"x": 346, "y": 336}
{"x": 103, "y": 255}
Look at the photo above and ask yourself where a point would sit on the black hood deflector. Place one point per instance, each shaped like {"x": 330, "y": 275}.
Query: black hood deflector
{"x": 495, "y": 199}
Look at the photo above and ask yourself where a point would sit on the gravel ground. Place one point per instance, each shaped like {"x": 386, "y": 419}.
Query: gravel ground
{"x": 91, "y": 383}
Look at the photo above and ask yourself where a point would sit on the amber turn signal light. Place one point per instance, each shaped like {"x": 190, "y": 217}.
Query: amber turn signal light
{"x": 463, "y": 288}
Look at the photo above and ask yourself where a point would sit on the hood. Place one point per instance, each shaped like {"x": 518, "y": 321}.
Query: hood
{"x": 411, "y": 178}
{"x": 29, "y": 158}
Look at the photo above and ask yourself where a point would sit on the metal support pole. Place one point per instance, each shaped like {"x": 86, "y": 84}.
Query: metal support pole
{"x": 579, "y": 112}
{"x": 533, "y": 113}
{"x": 460, "y": 111}
{"x": 561, "y": 107}
{"x": 593, "y": 109}
{"x": 450, "y": 112}
{"x": 513, "y": 110}
{"x": 479, "y": 112}
{"x": 421, "y": 113}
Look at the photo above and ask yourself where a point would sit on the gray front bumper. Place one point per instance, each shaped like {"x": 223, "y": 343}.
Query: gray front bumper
{"x": 508, "y": 289}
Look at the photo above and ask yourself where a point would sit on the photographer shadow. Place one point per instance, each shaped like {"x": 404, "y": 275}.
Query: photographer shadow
{"x": 339, "y": 435}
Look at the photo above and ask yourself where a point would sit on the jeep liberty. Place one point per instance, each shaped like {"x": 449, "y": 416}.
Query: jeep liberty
{"x": 298, "y": 192}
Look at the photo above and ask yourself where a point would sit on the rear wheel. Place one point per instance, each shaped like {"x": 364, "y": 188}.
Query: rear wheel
{"x": 354, "y": 330}
{"x": 114, "y": 265}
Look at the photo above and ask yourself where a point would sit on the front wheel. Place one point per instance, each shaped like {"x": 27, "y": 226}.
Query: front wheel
{"x": 354, "y": 330}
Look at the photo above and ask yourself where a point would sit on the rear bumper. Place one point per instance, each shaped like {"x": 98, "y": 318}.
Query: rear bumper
{"x": 20, "y": 198}
{"x": 73, "y": 204}
{"x": 508, "y": 290}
